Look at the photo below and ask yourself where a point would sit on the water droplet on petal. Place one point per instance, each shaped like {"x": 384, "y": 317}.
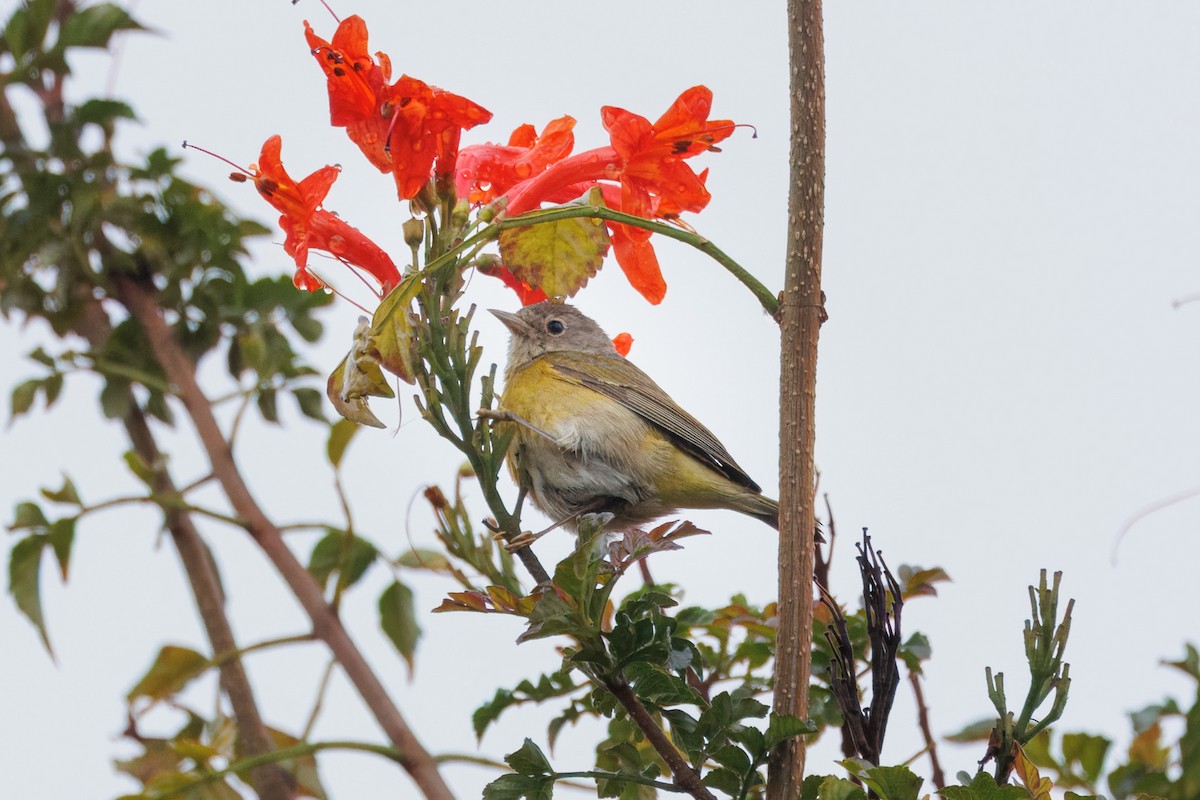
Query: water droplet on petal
{"x": 523, "y": 170}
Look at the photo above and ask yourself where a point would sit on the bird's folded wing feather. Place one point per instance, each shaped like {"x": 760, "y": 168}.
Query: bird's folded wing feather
{"x": 642, "y": 396}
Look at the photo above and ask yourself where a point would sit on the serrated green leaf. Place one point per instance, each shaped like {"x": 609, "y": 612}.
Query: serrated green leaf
{"x": 785, "y": 726}
{"x": 724, "y": 780}
{"x": 835, "y": 788}
{"x": 174, "y": 668}
{"x": 734, "y": 758}
{"x": 894, "y": 783}
{"x": 557, "y": 257}
{"x": 983, "y": 787}
{"x": 529, "y": 760}
{"x": 24, "y": 582}
{"x": 397, "y": 617}
{"x": 519, "y": 787}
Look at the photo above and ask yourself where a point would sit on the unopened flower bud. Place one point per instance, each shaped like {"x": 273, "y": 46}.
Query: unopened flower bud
{"x": 414, "y": 232}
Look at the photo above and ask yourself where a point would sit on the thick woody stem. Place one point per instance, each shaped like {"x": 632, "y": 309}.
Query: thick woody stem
{"x": 142, "y": 304}
{"x": 685, "y": 777}
{"x": 800, "y": 315}
{"x": 270, "y": 780}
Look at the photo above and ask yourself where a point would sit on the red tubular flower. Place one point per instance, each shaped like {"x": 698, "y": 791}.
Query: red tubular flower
{"x": 526, "y": 293}
{"x": 653, "y": 154}
{"x": 486, "y": 171}
{"x": 405, "y": 128}
{"x": 309, "y": 226}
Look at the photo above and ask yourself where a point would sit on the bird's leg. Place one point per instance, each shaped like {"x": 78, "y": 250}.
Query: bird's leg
{"x": 527, "y": 538}
{"x": 500, "y": 415}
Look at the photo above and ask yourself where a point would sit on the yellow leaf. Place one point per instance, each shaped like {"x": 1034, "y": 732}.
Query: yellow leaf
{"x": 560, "y": 256}
{"x": 391, "y": 336}
{"x": 1039, "y": 787}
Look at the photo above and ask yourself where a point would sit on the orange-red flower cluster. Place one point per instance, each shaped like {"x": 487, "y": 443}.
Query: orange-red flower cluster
{"x": 307, "y": 225}
{"x": 642, "y": 172}
{"x": 407, "y": 128}
{"x": 412, "y": 130}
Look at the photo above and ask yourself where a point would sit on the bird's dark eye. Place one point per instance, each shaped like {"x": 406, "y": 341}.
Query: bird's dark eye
{"x": 555, "y": 327}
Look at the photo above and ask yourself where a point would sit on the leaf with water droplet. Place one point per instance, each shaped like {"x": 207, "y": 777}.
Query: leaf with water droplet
{"x": 558, "y": 257}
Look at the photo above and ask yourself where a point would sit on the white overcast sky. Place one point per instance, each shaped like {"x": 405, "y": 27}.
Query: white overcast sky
{"x": 1012, "y": 207}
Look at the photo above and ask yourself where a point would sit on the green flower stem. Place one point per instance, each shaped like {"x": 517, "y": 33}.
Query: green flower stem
{"x": 167, "y": 502}
{"x": 276, "y": 756}
{"x": 769, "y": 301}
{"x": 618, "y": 776}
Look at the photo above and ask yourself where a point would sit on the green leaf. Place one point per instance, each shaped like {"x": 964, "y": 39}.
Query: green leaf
{"x": 349, "y": 556}
{"x": 834, "y": 788}
{"x": 398, "y": 619}
{"x": 558, "y": 257}
{"x": 977, "y": 731}
{"x": 914, "y": 651}
{"x": 24, "y": 568}
{"x": 139, "y": 467}
{"x": 983, "y": 787}
{"x": 28, "y": 515}
{"x": 94, "y": 26}
{"x": 267, "y": 405}
{"x": 115, "y": 399}
{"x": 303, "y": 769}
{"x": 67, "y": 494}
{"x": 340, "y": 434}
{"x": 894, "y": 783}
{"x": 61, "y": 536}
{"x": 1086, "y": 750}
{"x": 529, "y": 760}
{"x": 26, "y": 28}
{"x": 103, "y": 112}
{"x": 785, "y": 726}
{"x": 42, "y": 357}
{"x": 724, "y": 780}
{"x": 310, "y": 403}
{"x": 52, "y": 387}
{"x": 173, "y": 669}
{"x": 23, "y": 395}
{"x": 517, "y": 787}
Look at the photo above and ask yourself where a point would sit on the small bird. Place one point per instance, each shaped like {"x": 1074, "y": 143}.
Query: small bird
{"x": 595, "y": 434}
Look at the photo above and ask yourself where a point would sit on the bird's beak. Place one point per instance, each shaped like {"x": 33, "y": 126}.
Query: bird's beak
{"x": 512, "y": 322}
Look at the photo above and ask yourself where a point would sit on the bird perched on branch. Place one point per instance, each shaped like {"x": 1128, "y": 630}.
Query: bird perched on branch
{"x": 593, "y": 433}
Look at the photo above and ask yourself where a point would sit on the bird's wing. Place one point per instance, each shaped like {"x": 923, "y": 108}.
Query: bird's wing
{"x": 634, "y": 390}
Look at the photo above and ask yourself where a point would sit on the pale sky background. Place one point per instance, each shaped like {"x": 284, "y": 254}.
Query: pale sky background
{"x": 1012, "y": 207}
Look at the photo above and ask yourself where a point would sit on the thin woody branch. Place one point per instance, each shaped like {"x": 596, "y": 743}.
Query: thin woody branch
{"x": 141, "y": 301}
{"x": 685, "y": 777}
{"x": 270, "y": 780}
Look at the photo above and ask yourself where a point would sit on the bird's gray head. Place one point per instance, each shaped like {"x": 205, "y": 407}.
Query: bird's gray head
{"x": 549, "y": 327}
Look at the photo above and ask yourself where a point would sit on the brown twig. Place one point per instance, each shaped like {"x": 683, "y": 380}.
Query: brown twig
{"x": 939, "y": 777}
{"x": 270, "y": 780}
{"x": 800, "y": 315}
{"x": 141, "y": 301}
{"x": 685, "y": 777}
